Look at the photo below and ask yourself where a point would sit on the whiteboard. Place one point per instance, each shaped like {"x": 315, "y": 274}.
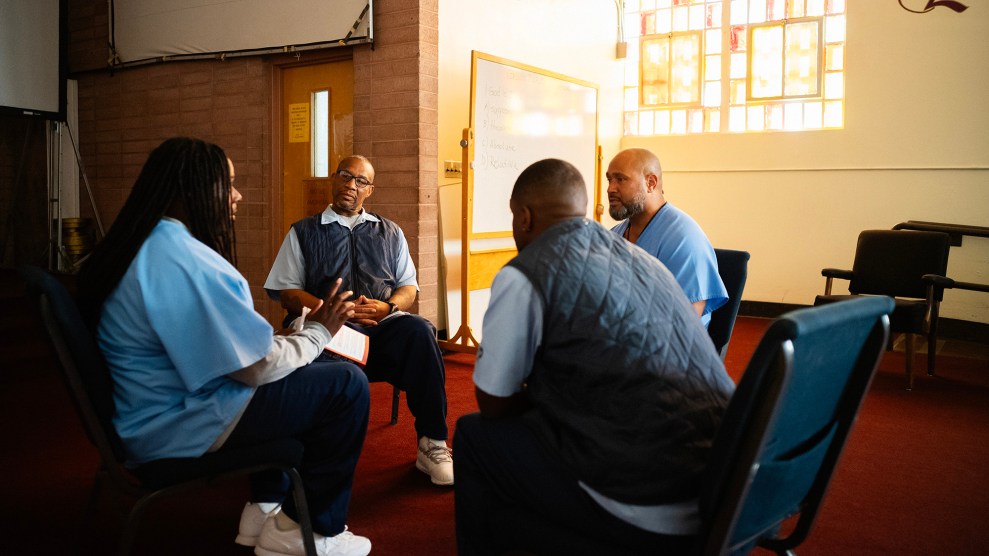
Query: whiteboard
{"x": 519, "y": 115}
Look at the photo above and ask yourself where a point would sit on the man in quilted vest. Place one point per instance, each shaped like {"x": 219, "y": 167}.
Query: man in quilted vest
{"x": 369, "y": 253}
{"x": 599, "y": 391}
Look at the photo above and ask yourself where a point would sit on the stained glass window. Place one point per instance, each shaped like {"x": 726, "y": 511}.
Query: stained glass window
{"x": 710, "y": 66}
{"x": 671, "y": 69}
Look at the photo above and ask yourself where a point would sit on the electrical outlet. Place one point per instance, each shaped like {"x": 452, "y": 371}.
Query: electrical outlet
{"x": 452, "y": 168}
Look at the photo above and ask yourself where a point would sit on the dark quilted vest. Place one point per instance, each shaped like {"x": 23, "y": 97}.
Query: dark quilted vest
{"x": 627, "y": 387}
{"x": 364, "y": 257}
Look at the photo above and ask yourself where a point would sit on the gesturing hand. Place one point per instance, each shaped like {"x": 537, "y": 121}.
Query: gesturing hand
{"x": 335, "y": 309}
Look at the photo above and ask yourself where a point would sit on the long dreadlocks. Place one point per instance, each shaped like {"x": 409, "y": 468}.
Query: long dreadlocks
{"x": 181, "y": 176}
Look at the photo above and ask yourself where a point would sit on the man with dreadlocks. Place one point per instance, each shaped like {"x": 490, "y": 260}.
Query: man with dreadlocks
{"x": 370, "y": 253}
{"x": 195, "y": 369}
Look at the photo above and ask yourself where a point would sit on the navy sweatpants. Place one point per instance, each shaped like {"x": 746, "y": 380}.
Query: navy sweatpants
{"x": 325, "y": 405}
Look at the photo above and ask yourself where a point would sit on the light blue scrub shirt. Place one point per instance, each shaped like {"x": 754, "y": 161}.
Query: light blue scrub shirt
{"x": 678, "y": 242}
{"x": 180, "y": 320}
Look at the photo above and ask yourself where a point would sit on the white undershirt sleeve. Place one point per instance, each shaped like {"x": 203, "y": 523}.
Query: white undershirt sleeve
{"x": 287, "y": 354}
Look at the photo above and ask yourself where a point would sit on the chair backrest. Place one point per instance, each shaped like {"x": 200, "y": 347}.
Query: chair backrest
{"x": 733, "y": 267}
{"x": 786, "y": 425}
{"x": 80, "y": 361}
{"x": 891, "y": 262}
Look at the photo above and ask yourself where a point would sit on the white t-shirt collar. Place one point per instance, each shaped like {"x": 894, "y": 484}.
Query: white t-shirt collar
{"x": 329, "y": 215}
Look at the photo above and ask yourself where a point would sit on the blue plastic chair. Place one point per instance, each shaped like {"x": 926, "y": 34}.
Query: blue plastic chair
{"x": 779, "y": 441}
{"x": 787, "y": 423}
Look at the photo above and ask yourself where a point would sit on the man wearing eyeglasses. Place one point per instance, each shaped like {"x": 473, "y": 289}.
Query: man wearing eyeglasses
{"x": 371, "y": 255}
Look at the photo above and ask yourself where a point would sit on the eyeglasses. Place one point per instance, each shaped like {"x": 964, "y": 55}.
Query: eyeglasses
{"x": 361, "y": 181}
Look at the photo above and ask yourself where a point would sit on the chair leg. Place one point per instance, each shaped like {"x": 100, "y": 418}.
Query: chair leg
{"x": 83, "y": 525}
{"x": 932, "y": 338}
{"x": 127, "y": 537}
{"x": 908, "y": 354}
{"x": 395, "y": 394}
{"x": 931, "y": 350}
{"x": 126, "y": 541}
{"x": 94, "y": 492}
{"x": 302, "y": 509}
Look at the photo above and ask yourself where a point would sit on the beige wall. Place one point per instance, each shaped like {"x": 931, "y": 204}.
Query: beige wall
{"x": 914, "y": 147}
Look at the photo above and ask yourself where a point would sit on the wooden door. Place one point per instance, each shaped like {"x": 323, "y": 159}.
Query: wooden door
{"x": 303, "y": 90}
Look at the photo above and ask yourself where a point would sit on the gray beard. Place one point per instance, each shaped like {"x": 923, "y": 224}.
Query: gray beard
{"x": 629, "y": 209}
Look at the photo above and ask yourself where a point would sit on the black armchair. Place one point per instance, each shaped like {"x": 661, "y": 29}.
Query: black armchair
{"x": 909, "y": 266}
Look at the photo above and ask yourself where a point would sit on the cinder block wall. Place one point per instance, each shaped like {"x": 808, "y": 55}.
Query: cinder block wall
{"x": 125, "y": 114}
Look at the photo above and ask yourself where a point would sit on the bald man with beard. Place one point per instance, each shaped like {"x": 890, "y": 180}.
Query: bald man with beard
{"x": 598, "y": 388}
{"x": 636, "y": 198}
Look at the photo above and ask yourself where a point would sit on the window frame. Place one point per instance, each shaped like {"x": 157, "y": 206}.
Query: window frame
{"x": 750, "y": 56}
{"x": 726, "y": 104}
{"x": 698, "y": 93}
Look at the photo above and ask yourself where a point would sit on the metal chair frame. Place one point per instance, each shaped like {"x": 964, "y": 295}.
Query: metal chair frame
{"x": 69, "y": 337}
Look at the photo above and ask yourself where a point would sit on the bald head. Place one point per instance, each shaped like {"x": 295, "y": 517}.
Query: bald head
{"x": 545, "y": 193}
{"x": 359, "y": 158}
{"x": 642, "y": 160}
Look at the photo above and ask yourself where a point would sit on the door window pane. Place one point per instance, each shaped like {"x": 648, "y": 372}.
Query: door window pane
{"x": 321, "y": 134}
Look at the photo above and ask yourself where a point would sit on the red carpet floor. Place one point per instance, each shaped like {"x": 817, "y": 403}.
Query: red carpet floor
{"x": 913, "y": 480}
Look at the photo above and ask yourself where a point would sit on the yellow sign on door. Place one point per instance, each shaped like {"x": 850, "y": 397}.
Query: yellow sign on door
{"x": 298, "y": 122}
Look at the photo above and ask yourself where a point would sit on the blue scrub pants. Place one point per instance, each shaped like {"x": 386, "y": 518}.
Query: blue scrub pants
{"x": 325, "y": 405}
{"x": 404, "y": 353}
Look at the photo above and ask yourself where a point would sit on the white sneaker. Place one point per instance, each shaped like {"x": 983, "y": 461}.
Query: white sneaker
{"x": 436, "y": 460}
{"x": 252, "y": 518}
{"x": 275, "y": 542}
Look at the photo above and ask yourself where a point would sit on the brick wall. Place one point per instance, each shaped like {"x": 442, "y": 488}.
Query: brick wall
{"x": 123, "y": 115}
{"x": 88, "y": 32}
{"x": 395, "y": 125}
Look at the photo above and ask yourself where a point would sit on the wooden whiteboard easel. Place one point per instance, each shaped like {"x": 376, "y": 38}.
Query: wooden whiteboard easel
{"x": 519, "y": 114}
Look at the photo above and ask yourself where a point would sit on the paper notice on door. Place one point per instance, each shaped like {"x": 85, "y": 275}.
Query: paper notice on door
{"x": 298, "y": 122}
{"x": 351, "y": 344}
